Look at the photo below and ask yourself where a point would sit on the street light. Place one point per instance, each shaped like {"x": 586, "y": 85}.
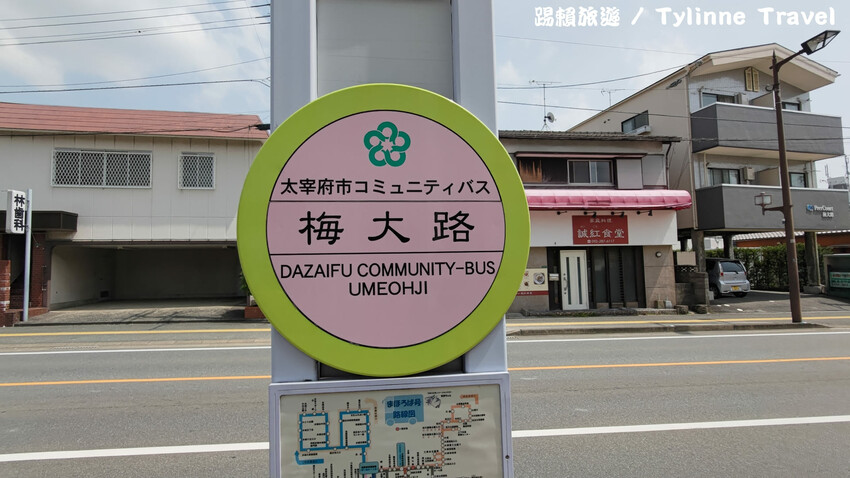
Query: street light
{"x": 809, "y": 46}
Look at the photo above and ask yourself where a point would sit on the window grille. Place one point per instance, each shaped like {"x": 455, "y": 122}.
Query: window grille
{"x": 106, "y": 169}
{"x": 196, "y": 171}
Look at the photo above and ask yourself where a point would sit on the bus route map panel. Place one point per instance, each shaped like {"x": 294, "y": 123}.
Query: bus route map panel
{"x": 401, "y": 428}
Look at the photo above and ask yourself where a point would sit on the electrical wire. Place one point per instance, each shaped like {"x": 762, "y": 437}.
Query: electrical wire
{"x": 135, "y": 35}
{"x": 617, "y": 47}
{"x": 125, "y": 87}
{"x": 150, "y": 17}
{"x": 591, "y": 82}
{"x": 137, "y": 79}
{"x": 77, "y": 15}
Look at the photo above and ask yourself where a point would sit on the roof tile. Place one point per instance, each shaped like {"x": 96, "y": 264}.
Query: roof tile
{"x": 45, "y": 119}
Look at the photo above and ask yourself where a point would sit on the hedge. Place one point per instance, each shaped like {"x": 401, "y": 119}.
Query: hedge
{"x": 767, "y": 268}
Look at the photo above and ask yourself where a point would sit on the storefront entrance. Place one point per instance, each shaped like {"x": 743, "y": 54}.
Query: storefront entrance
{"x": 573, "y": 279}
{"x": 598, "y": 278}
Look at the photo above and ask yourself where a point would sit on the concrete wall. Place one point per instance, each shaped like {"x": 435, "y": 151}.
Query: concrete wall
{"x": 81, "y": 275}
{"x": 733, "y": 208}
{"x": 659, "y": 275}
{"x": 536, "y": 259}
{"x": 751, "y": 127}
{"x": 155, "y": 273}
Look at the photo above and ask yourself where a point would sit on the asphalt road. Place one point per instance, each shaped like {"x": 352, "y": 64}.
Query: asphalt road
{"x": 702, "y": 404}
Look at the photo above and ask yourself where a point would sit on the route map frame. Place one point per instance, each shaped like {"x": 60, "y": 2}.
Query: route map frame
{"x": 384, "y": 436}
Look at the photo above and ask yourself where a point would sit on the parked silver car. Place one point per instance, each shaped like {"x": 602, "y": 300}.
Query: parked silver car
{"x": 727, "y": 276}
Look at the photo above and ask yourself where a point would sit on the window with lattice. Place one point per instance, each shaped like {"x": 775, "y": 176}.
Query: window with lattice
{"x": 105, "y": 169}
{"x": 196, "y": 171}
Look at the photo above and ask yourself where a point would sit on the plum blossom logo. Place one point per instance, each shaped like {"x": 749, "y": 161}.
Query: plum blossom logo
{"x": 387, "y": 145}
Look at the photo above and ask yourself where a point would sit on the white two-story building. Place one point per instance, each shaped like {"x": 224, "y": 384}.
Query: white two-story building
{"x": 126, "y": 204}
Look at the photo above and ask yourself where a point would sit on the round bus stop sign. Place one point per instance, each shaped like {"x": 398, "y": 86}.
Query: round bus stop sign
{"x": 383, "y": 230}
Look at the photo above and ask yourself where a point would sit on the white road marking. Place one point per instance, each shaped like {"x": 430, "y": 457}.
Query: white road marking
{"x": 510, "y": 341}
{"x": 663, "y": 427}
{"x": 114, "y": 452}
{"x": 113, "y": 351}
{"x": 672, "y": 337}
{"x": 231, "y": 447}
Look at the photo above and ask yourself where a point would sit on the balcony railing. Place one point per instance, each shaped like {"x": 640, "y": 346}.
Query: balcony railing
{"x": 743, "y": 130}
{"x": 731, "y": 207}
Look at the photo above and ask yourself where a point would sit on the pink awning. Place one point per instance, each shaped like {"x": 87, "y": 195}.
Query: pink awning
{"x": 606, "y": 199}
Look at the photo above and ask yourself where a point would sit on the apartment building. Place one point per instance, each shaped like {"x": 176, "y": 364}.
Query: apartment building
{"x": 722, "y": 106}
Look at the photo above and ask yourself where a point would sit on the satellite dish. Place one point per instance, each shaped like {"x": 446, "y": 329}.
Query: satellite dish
{"x": 550, "y": 117}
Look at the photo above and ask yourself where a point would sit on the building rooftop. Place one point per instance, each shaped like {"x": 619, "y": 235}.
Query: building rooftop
{"x": 42, "y": 119}
{"x": 586, "y": 136}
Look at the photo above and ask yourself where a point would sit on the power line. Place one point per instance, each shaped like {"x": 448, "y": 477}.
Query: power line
{"x": 102, "y": 88}
{"x": 137, "y": 79}
{"x": 617, "y": 47}
{"x": 257, "y": 34}
{"x": 150, "y": 17}
{"x": 591, "y": 82}
{"x": 77, "y": 15}
{"x": 115, "y": 33}
{"x": 134, "y": 35}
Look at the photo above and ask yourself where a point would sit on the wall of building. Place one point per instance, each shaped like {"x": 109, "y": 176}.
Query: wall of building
{"x": 81, "y": 275}
{"x": 766, "y": 170}
{"x": 733, "y": 82}
{"x": 157, "y": 273}
{"x": 548, "y": 228}
{"x": 668, "y": 116}
{"x": 659, "y": 276}
{"x": 536, "y": 260}
{"x": 162, "y": 212}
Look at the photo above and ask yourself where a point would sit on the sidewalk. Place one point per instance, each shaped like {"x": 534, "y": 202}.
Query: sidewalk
{"x": 146, "y": 312}
{"x": 759, "y": 310}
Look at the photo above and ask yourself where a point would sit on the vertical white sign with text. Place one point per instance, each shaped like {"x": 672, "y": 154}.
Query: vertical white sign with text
{"x": 16, "y": 212}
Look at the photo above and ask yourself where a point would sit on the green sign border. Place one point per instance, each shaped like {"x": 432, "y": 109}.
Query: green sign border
{"x": 260, "y": 274}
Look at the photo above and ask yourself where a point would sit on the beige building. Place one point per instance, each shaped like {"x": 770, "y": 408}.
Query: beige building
{"x": 723, "y": 108}
{"x": 603, "y": 221}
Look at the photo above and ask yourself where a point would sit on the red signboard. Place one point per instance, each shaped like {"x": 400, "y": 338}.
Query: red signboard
{"x": 601, "y": 230}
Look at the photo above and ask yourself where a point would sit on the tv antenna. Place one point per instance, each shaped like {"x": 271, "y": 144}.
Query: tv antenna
{"x": 548, "y": 117}
{"x": 608, "y": 92}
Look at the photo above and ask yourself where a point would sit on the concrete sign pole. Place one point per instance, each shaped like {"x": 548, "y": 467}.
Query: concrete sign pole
{"x": 27, "y": 258}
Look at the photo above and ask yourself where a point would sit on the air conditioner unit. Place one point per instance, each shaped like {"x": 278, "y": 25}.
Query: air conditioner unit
{"x": 748, "y": 174}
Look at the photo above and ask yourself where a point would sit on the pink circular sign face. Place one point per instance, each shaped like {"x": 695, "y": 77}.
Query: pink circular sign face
{"x": 385, "y": 229}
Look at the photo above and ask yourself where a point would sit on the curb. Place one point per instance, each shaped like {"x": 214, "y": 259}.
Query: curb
{"x": 658, "y": 328}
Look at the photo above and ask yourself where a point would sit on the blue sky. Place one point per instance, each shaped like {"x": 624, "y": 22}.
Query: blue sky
{"x": 222, "y": 48}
